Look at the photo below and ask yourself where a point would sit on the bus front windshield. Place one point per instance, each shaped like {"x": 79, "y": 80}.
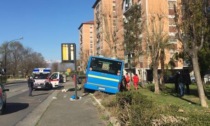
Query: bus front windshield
{"x": 105, "y": 66}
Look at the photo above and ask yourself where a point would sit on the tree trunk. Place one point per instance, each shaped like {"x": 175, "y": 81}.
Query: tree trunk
{"x": 155, "y": 78}
{"x": 162, "y": 84}
{"x": 198, "y": 80}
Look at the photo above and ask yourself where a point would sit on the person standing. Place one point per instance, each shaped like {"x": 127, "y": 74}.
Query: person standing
{"x": 127, "y": 78}
{"x": 181, "y": 84}
{"x": 30, "y": 85}
{"x": 176, "y": 82}
{"x": 135, "y": 81}
{"x": 187, "y": 80}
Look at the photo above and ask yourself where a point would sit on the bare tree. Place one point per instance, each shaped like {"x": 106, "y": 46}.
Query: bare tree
{"x": 54, "y": 67}
{"x": 4, "y": 51}
{"x": 110, "y": 19}
{"x": 192, "y": 27}
{"x": 16, "y": 58}
{"x": 16, "y": 51}
{"x": 27, "y": 62}
{"x": 84, "y": 59}
{"x": 133, "y": 27}
{"x": 165, "y": 45}
{"x": 156, "y": 38}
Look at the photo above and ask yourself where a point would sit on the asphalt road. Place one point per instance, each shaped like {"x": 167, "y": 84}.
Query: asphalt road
{"x": 19, "y": 104}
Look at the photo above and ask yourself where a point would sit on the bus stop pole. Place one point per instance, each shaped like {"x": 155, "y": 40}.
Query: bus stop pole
{"x": 75, "y": 67}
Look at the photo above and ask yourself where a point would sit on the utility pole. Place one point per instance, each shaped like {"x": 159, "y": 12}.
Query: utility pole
{"x": 68, "y": 54}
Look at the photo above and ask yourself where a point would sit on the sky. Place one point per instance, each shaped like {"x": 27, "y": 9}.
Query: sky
{"x": 44, "y": 24}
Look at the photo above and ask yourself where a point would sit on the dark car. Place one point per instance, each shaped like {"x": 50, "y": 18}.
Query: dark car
{"x": 3, "y": 98}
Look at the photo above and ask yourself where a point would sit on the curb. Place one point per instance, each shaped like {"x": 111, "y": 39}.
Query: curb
{"x": 32, "y": 118}
{"x": 112, "y": 119}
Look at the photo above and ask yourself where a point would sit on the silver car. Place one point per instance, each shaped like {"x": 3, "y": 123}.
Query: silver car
{"x": 3, "y": 98}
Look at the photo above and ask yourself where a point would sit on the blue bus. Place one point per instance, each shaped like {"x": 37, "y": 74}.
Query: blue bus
{"x": 104, "y": 74}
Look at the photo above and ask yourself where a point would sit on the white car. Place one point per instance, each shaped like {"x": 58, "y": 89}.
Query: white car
{"x": 56, "y": 78}
{"x": 206, "y": 78}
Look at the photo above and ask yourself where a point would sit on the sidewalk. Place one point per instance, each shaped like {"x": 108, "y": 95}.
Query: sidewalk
{"x": 64, "y": 112}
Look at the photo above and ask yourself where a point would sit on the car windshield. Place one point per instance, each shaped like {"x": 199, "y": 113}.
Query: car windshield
{"x": 41, "y": 76}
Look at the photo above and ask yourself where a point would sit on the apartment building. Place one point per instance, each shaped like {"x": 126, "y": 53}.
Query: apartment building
{"x": 105, "y": 35}
{"x": 108, "y": 41}
{"x": 149, "y": 9}
{"x": 86, "y": 40}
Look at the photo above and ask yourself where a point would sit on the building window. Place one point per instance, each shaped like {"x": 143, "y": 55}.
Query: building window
{"x": 172, "y": 39}
{"x": 114, "y": 7}
{"x": 171, "y": 12}
{"x": 126, "y": 5}
{"x": 171, "y": 21}
{"x": 114, "y": 22}
{"x": 171, "y": 4}
{"x": 172, "y": 29}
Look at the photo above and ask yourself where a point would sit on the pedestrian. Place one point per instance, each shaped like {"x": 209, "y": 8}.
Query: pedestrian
{"x": 176, "y": 83}
{"x": 30, "y": 85}
{"x": 187, "y": 80}
{"x": 123, "y": 84}
{"x": 181, "y": 84}
{"x": 127, "y": 78}
{"x": 135, "y": 81}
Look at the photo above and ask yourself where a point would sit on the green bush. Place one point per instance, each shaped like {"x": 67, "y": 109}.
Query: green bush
{"x": 124, "y": 98}
{"x": 135, "y": 109}
{"x": 3, "y": 79}
{"x": 144, "y": 108}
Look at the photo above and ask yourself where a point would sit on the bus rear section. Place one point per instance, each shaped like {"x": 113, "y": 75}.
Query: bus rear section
{"x": 104, "y": 74}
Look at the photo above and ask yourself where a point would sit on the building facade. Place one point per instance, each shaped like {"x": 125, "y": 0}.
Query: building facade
{"x": 106, "y": 37}
{"x": 86, "y": 40}
{"x": 151, "y": 9}
{"x": 107, "y": 40}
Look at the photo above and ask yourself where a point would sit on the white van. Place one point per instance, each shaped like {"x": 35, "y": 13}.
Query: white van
{"x": 56, "y": 78}
{"x": 40, "y": 76}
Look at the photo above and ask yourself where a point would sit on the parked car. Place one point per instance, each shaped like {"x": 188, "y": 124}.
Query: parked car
{"x": 206, "y": 78}
{"x": 192, "y": 78}
{"x": 56, "y": 78}
{"x": 3, "y": 98}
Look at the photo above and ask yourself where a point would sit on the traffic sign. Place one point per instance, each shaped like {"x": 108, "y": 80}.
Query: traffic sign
{"x": 68, "y": 52}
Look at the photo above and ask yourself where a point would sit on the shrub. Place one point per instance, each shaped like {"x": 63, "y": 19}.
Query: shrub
{"x": 142, "y": 107}
{"x": 135, "y": 109}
